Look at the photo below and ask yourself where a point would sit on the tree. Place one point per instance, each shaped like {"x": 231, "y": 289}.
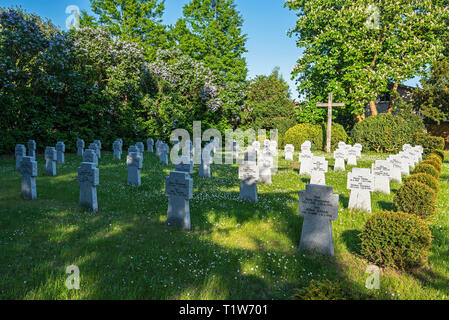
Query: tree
{"x": 356, "y": 51}
{"x": 131, "y": 20}
{"x": 211, "y": 31}
{"x": 432, "y": 99}
{"x": 267, "y": 102}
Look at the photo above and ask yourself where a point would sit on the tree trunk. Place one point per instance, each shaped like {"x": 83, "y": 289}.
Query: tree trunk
{"x": 360, "y": 118}
{"x": 373, "y": 108}
{"x": 392, "y": 96}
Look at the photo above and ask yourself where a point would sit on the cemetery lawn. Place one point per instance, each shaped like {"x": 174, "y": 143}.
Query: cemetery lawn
{"x": 236, "y": 250}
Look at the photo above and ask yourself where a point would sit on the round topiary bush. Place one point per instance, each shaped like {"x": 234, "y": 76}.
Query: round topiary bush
{"x": 436, "y": 158}
{"x": 428, "y": 168}
{"x": 426, "y": 179}
{"x": 302, "y": 132}
{"x": 383, "y": 133}
{"x": 415, "y": 198}
{"x": 338, "y": 134}
{"x": 396, "y": 239}
{"x": 435, "y": 163}
{"x": 439, "y": 153}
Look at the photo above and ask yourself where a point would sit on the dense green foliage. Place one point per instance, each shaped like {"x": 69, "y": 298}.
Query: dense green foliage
{"x": 357, "y": 48}
{"x": 338, "y": 134}
{"x": 211, "y": 32}
{"x": 268, "y": 104}
{"x": 426, "y": 179}
{"x": 396, "y": 239}
{"x": 427, "y": 168}
{"x": 386, "y": 132}
{"x": 328, "y": 290}
{"x": 429, "y": 143}
{"x": 439, "y": 153}
{"x": 302, "y": 132}
{"x": 416, "y": 198}
{"x": 433, "y": 162}
{"x": 131, "y": 20}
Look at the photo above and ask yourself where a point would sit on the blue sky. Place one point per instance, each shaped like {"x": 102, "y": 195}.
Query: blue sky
{"x": 266, "y": 25}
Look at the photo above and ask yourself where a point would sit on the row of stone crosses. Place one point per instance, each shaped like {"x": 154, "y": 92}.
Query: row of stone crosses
{"x": 317, "y": 203}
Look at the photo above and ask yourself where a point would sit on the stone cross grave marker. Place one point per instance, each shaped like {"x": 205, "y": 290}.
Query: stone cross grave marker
{"x": 408, "y": 159}
{"x": 319, "y": 167}
{"x": 289, "y": 150}
{"x": 163, "y": 155}
{"x": 396, "y": 169}
{"x": 60, "y": 149}
{"x": 150, "y": 144}
{"x": 358, "y": 147}
{"x": 50, "y": 161}
{"x": 28, "y": 170}
{"x": 361, "y": 183}
{"x": 20, "y": 152}
{"x": 339, "y": 156}
{"x": 248, "y": 174}
{"x": 185, "y": 165}
{"x": 117, "y": 149}
{"x": 319, "y": 207}
{"x": 382, "y": 170}
{"x": 206, "y": 160}
{"x": 134, "y": 164}
{"x": 265, "y": 163}
{"x": 141, "y": 147}
{"x": 329, "y": 105}
{"x": 32, "y": 149}
{"x": 90, "y": 155}
{"x": 89, "y": 179}
{"x": 305, "y": 158}
{"x": 98, "y": 143}
{"x": 80, "y": 147}
{"x": 352, "y": 156}
{"x": 179, "y": 190}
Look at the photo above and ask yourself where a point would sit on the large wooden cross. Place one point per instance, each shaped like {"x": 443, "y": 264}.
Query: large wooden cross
{"x": 329, "y": 106}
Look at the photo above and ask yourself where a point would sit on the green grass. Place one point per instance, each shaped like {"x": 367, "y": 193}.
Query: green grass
{"x": 236, "y": 250}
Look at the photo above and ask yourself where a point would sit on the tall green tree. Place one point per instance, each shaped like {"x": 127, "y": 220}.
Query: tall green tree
{"x": 268, "y": 103}
{"x": 211, "y": 31}
{"x": 131, "y": 20}
{"x": 357, "y": 49}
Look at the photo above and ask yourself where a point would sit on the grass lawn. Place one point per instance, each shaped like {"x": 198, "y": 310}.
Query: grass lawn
{"x": 236, "y": 250}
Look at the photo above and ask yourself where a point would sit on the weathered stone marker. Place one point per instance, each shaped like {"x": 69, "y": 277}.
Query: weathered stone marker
{"x": 28, "y": 170}
{"x": 93, "y": 146}
{"x": 150, "y": 144}
{"x": 358, "y": 147}
{"x": 134, "y": 163}
{"x": 352, "y": 156}
{"x": 289, "y": 150}
{"x": 117, "y": 149}
{"x": 381, "y": 170}
{"x": 319, "y": 167}
{"x": 248, "y": 174}
{"x": 60, "y": 149}
{"x": 265, "y": 163}
{"x": 50, "y": 161}
{"x": 339, "y": 156}
{"x": 19, "y": 152}
{"x": 305, "y": 158}
{"x": 89, "y": 179}
{"x": 179, "y": 190}
{"x": 80, "y": 147}
{"x": 98, "y": 143}
{"x": 319, "y": 207}
{"x": 361, "y": 183}
{"x": 164, "y": 149}
{"x": 141, "y": 148}
{"x": 396, "y": 170}
{"x": 206, "y": 160}
{"x": 90, "y": 155}
{"x": 32, "y": 149}
{"x": 185, "y": 165}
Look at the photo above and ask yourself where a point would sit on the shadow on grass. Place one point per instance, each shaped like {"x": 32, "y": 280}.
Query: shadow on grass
{"x": 352, "y": 241}
{"x": 386, "y": 205}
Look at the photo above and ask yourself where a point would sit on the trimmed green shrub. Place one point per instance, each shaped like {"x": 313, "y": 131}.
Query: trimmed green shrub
{"x": 327, "y": 290}
{"x": 302, "y": 132}
{"x": 383, "y": 133}
{"x": 435, "y": 163}
{"x": 427, "y": 168}
{"x": 426, "y": 179}
{"x": 436, "y": 158}
{"x": 396, "y": 239}
{"x": 439, "y": 153}
{"x": 428, "y": 142}
{"x": 416, "y": 198}
{"x": 338, "y": 134}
